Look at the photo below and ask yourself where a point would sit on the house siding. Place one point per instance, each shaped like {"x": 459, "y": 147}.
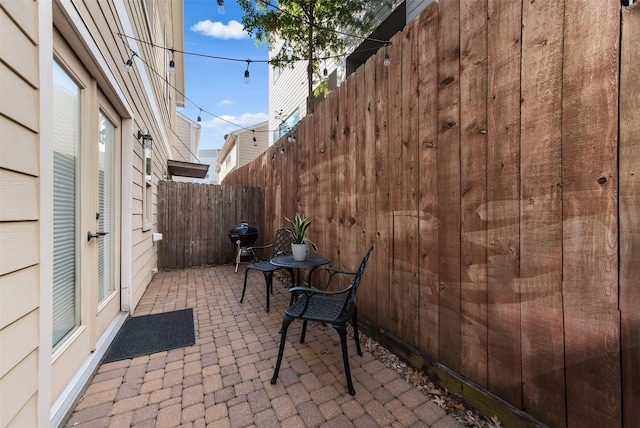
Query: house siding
{"x": 239, "y": 148}
{"x": 31, "y": 392}
{"x": 19, "y": 297}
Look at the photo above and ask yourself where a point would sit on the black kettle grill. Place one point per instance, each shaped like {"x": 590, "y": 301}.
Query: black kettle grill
{"x": 243, "y": 235}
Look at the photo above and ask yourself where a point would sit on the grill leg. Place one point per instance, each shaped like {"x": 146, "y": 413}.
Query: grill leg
{"x": 238, "y": 255}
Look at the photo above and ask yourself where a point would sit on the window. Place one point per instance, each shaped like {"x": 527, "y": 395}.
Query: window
{"x": 287, "y": 124}
{"x": 106, "y": 207}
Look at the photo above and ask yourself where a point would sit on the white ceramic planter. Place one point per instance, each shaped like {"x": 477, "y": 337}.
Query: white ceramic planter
{"x": 299, "y": 251}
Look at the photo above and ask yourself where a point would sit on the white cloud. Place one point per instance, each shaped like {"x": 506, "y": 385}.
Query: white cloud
{"x": 218, "y": 30}
{"x": 213, "y": 130}
{"x": 225, "y": 103}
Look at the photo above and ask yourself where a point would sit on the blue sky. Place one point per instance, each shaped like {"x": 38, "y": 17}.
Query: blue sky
{"x": 218, "y": 86}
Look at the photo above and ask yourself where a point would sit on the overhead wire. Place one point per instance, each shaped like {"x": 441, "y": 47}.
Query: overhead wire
{"x": 129, "y": 63}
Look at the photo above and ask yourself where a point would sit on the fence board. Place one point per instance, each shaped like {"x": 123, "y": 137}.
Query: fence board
{"x": 162, "y": 217}
{"x": 396, "y": 190}
{"x": 353, "y": 133}
{"x": 503, "y": 208}
{"x": 473, "y": 193}
{"x": 629, "y": 209}
{"x": 382, "y": 255}
{"x": 589, "y": 211}
{"x": 366, "y": 182}
{"x": 179, "y": 225}
{"x": 448, "y": 153}
{"x": 541, "y": 225}
{"x": 333, "y": 174}
{"x": 428, "y": 180}
{"x": 411, "y": 191}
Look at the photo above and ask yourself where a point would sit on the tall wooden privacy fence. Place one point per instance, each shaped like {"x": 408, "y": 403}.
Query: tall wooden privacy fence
{"x": 195, "y": 220}
{"x": 483, "y": 165}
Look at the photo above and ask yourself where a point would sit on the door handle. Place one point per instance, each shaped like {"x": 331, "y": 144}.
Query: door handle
{"x": 95, "y": 235}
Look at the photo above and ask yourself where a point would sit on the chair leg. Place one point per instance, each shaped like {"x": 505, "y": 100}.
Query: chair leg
{"x": 342, "y": 332}
{"x": 304, "y": 331}
{"x": 354, "y": 320}
{"x": 244, "y": 288}
{"x": 268, "y": 278}
{"x": 283, "y": 337}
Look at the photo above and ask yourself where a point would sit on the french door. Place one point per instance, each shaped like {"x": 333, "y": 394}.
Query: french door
{"x": 86, "y": 145}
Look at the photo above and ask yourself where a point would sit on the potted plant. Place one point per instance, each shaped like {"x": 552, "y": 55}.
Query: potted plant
{"x": 298, "y": 229}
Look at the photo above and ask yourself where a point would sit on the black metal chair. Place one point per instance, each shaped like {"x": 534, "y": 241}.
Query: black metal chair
{"x": 280, "y": 245}
{"x": 327, "y": 307}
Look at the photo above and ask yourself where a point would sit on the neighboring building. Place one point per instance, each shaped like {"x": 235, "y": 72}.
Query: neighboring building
{"x": 241, "y": 147}
{"x": 73, "y": 125}
{"x": 288, "y": 85}
{"x": 209, "y": 157}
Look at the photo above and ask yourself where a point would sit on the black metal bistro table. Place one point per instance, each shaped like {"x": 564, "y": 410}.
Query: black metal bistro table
{"x": 310, "y": 262}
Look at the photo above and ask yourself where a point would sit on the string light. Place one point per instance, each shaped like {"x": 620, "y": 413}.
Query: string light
{"x": 255, "y": 141}
{"x": 246, "y": 72}
{"x": 221, "y": 7}
{"x": 129, "y": 62}
{"x": 244, "y": 60}
{"x": 387, "y": 61}
{"x": 172, "y": 64}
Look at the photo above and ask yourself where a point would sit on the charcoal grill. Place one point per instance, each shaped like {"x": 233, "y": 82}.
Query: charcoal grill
{"x": 243, "y": 235}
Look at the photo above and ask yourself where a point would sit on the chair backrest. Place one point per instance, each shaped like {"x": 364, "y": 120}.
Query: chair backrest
{"x": 281, "y": 243}
{"x": 356, "y": 281}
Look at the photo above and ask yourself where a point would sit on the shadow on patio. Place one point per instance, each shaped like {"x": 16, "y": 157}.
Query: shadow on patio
{"x": 223, "y": 380}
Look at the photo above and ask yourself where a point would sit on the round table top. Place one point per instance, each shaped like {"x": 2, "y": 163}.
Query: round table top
{"x": 309, "y": 262}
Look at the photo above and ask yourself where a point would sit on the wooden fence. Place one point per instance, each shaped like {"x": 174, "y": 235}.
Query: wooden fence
{"x": 495, "y": 168}
{"x": 195, "y": 220}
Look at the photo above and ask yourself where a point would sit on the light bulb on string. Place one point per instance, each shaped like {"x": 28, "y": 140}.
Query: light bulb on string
{"x": 129, "y": 62}
{"x": 255, "y": 141}
{"x": 387, "y": 61}
{"x": 246, "y": 72}
{"x": 199, "y": 117}
{"x": 221, "y": 7}
{"x": 172, "y": 64}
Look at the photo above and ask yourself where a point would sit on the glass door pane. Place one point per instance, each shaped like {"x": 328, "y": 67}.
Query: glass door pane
{"x": 66, "y": 147}
{"x": 106, "y": 158}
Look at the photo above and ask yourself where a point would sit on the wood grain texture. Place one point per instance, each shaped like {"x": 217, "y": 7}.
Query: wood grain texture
{"x": 428, "y": 181}
{"x": 473, "y": 189}
{"x": 630, "y": 212}
{"x": 448, "y": 152}
{"x": 541, "y": 208}
{"x": 503, "y": 199}
{"x": 590, "y": 244}
{"x": 384, "y": 231}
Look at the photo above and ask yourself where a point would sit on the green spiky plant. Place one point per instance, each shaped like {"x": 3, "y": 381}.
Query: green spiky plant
{"x": 298, "y": 230}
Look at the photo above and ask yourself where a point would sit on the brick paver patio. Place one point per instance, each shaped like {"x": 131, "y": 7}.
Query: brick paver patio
{"x": 223, "y": 380}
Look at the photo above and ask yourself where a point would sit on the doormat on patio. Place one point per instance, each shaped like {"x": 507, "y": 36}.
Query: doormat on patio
{"x": 149, "y": 334}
